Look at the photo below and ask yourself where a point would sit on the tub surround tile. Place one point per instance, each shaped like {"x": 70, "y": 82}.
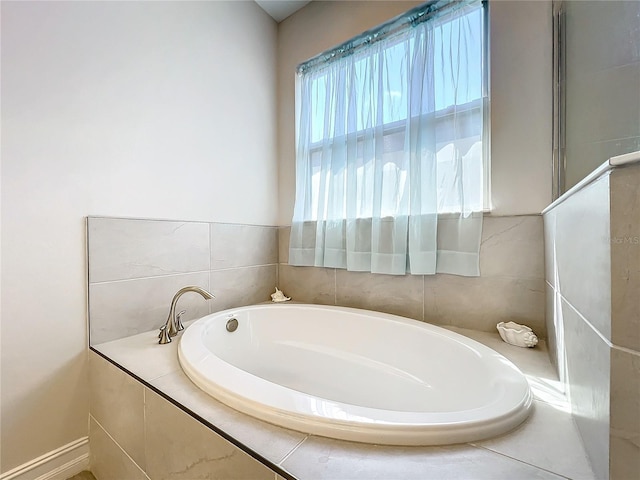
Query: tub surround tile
{"x": 122, "y": 309}
{"x": 315, "y": 457}
{"x": 108, "y": 460}
{"x": 242, "y": 245}
{"x": 122, "y": 249}
{"x": 395, "y": 294}
{"x": 137, "y": 265}
{"x": 625, "y": 418}
{"x": 481, "y": 302}
{"x": 309, "y": 284}
{"x": 588, "y": 370}
{"x": 532, "y": 444}
{"x": 117, "y": 403}
{"x": 583, "y": 251}
{"x": 238, "y": 287}
{"x": 271, "y": 441}
{"x": 284, "y": 234}
{"x": 321, "y": 458}
{"x": 142, "y": 355}
{"x": 511, "y": 263}
{"x": 179, "y": 447}
{"x": 512, "y": 246}
{"x": 625, "y": 257}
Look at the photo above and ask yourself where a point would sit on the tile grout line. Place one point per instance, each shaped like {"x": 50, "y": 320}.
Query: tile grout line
{"x": 293, "y": 449}
{"x": 179, "y": 274}
{"x": 517, "y": 460}
{"x": 589, "y": 324}
{"x": 118, "y": 445}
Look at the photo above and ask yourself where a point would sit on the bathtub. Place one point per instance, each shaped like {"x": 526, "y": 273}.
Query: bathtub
{"x": 354, "y": 374}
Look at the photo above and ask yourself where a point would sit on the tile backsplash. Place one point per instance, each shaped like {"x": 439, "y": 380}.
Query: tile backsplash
{"x": 511, "y": 286}
{"x": 136, "y": 266}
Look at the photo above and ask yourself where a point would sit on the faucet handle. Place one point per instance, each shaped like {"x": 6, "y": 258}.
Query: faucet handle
{"x": 179, "y": 325}
{"x": 164, "y": 335}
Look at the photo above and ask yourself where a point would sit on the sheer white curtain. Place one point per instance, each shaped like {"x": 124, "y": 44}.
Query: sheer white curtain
{"x": 389, "y": 169}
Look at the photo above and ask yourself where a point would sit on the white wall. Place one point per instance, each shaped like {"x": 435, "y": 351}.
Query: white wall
{"x": 143, "y": 109}
{"x": 521, "y": 91}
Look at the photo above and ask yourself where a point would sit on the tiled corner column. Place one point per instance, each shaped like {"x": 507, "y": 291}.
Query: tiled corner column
{"x": 510, "y": 288}
{"x": 137, "y": 265}
{"x": 624, "y": 435}
{"x": 592, "y": 242}
{"x": 137, "y": 434}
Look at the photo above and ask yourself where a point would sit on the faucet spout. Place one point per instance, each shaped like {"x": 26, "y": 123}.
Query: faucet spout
{"x": 173, "y": 325}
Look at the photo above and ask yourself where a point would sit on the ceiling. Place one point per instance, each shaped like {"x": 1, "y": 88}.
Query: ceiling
{"x": 281, "y": 9}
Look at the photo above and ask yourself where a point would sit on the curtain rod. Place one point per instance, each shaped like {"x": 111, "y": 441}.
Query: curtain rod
{"x": 417, "y": 15}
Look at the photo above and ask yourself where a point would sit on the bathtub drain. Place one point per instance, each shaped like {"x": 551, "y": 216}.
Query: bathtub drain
{"x": 232, "y": 325}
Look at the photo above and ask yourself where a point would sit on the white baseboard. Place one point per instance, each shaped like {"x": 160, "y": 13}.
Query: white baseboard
{"x": 59, "y": 464}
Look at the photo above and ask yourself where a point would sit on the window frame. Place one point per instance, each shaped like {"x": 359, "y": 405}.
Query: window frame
{"x": 398, "y": 125}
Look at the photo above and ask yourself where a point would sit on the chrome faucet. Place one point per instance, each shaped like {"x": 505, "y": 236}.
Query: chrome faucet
{"x": 173, "y": 324}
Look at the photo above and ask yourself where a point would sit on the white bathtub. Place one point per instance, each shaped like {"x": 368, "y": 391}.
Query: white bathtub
{"x": 355, "y": 375}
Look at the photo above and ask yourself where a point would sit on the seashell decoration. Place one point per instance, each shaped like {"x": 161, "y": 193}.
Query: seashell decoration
{"x": 518, "y": 335}
{"x": 278, "y": 296}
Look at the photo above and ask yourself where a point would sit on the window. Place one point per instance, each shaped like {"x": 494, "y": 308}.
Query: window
{"x": 389, "y": 137}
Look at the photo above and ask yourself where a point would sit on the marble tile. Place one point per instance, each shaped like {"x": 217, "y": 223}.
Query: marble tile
{"x": 121, "y": 309}
{"x": 283, "y": 244}
{"x": 108, "y": 461}
{"x": 237, "y": 287}
{"x": 396, "y": 294}
{"x": 584, "y": 255}
{"x": 273, "y": 442}
{"x": 625, "y": 414}
{"x": 573, "y": 463}
{"x": 308, "y": 284}
{"x": 242, "y": 245}
{"x": 625, "y": 459}
{"x": 142, "y": 355}
{"x": 117, "y": 403}
{"x": 322, "y": 458}
{"x": 512, "y": 246}
{"x": 625, "y": 257}
{"x": 588, "y": 374}
{"x": 481, "y": 302}
{"x": 180, "y": 447}
{"x": 122, "y": 249}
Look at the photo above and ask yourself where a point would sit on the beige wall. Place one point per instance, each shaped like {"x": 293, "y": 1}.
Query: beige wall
{"x": 144, "y": 109}
{"x": 521, "y": 91}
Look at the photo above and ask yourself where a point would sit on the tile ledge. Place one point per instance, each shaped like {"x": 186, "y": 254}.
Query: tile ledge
{"x": 601, "y": 171}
